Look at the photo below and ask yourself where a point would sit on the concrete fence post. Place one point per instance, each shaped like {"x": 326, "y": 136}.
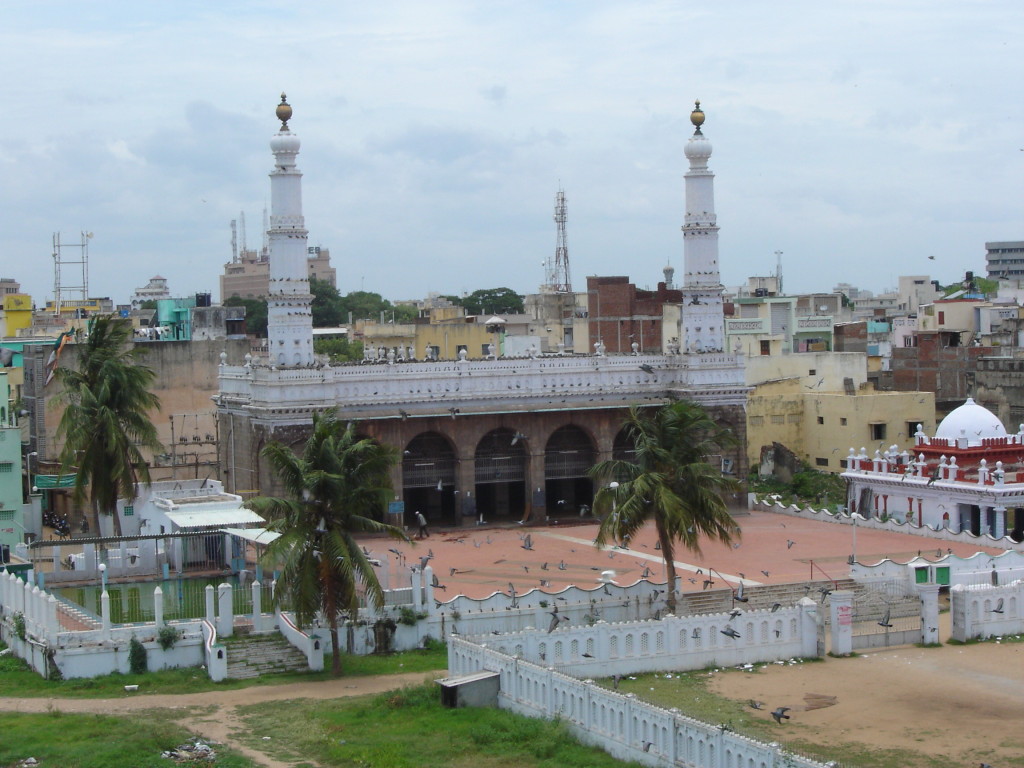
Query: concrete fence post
{"x": 211, "y": 614}
{"x": 105, "y": 614}
{"x": 257, "y": 607}
{"x": 52, "y": 622}
{"x": 929, "y": 613}
{"x": 225, "y": 612}
{"x": 841, "y": 608}
{"x": 158, "y": 607}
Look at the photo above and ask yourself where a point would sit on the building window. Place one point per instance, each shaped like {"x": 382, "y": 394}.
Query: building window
{"x": 812, "y": 372}
{"x": 6, "y": 514}
{"x": 842, "y": 421}
{"x": 6, "y": 466}
{"x": 757, "y": 421}
{"x": 778, "y": 418}
{"x": 129, "y": 510}
{"x": 877, "y": 431}
{"x": 912, "y": 429}
{"x": 821, "y": 462}
{"x": 793, "y": 418}
{"x": 766, "y": 347}
{"x": 821, "y": 419}
{"x": 842, "y": 464}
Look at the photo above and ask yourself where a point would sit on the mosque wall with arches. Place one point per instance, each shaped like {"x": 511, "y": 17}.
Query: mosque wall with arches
{"x": 461, "y": 468}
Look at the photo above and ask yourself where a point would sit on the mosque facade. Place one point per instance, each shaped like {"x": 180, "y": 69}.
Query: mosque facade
{"x": 486, "y": 438}
{"x": 969, "y": 476}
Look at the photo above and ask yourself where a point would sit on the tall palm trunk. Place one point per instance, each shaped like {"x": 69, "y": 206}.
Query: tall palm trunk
{"x": 670, "y": 566}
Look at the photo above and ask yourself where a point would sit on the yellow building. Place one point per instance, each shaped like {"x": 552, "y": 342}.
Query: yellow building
{"x": 16, "y": 314}
{"x": 821, "y": 427}
{"x": 444, "y": 332}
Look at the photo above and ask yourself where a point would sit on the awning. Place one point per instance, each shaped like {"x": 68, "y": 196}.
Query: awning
{"x": 54, "y": 481}
{"x": 255, "y": 535}
{"x": 213, "y": 518}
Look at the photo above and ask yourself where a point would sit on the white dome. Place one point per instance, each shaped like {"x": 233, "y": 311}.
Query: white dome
{"x": 284, "y": 142}
{"x": 972, "y": 421}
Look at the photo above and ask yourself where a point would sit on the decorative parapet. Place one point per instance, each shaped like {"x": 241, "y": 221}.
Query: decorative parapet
{"x": 814, "y": 322}
{"x": 510, "y": 382}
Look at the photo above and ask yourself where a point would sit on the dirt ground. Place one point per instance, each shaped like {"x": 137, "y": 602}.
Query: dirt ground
{"x": 962, "y": 703}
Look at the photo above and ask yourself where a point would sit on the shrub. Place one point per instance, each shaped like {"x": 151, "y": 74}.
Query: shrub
{"x": 409, "y": 617}
{"x": 137, "y": 662}
{"x": 167, "y": 637}
{"x": 19, "y": 625}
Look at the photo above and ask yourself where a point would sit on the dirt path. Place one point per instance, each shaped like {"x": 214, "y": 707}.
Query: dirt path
{"x": 222, "y": 723}
{"x": 957, "y": 702}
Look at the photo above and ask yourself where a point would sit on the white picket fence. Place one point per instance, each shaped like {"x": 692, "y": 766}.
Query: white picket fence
{"x": 983, "y": 611}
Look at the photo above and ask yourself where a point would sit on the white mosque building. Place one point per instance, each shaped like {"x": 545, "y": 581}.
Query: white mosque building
{"x": 968, "y": 477}
{"x": 481, "y": 439}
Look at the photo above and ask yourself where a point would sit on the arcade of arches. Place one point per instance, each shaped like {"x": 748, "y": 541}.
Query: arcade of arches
{"x": 502, "y": 468}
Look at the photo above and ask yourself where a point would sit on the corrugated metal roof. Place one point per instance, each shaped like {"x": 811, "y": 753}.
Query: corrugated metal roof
{"x": 255, "y": 535}
{"x": 211, "y": 518}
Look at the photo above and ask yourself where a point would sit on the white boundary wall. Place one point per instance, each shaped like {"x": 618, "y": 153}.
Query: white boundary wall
{"x": 976, "y": 609}
{"x": 617, "y": 723}
{"x": 892, "y": 524}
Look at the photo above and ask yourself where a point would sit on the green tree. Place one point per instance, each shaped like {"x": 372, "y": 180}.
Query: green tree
{"x": 255, "y": 314}
{"x": 490, "y": 301}
{"x": 334, "y": 490}
{"x": 365, "y": 305}
{"x": 339, "y": 350}
{"x": 327, "y": 308}
{"x": 106, "y": 418}
{"x": 671, "y": 481}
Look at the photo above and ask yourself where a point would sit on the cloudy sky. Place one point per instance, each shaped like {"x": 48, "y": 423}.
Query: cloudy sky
{"x": 857, "y": 137}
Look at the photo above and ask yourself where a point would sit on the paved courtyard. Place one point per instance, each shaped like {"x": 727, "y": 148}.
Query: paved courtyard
{"x": 479, "y": 561}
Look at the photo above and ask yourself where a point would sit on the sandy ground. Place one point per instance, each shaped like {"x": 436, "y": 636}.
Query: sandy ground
{"x": 963, "y": 703}
{"x": 219, "y": 720}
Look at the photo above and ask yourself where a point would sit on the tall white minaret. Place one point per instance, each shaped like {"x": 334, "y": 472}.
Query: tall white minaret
{"x": 289, "y": 313}
{"x": 702, "y": 322}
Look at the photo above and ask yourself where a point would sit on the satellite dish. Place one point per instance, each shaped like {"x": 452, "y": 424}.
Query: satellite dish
{"x": 823, "y": 308}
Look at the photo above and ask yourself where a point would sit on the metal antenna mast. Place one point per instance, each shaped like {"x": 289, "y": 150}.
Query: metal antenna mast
{"x": 234, "y": 241}
{"x": 557, "y": 279}
{"x": 241, "y": 227}
{"x": 60, "y": 288}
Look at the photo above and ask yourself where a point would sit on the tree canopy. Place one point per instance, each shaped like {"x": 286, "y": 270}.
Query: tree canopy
{"x": 255, "y": 314}
{"x": 106, "y": 418}
{"x": 674, "y": 481}
{"x": 490, "y": 301}
{"x": 338, "y": 487}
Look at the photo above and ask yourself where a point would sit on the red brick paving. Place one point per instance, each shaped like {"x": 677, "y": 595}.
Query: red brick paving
{"x": 487, "y": 559}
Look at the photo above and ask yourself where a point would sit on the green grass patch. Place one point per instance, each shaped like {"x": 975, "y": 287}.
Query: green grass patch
{"x": 98, "y": 741}
{"x": 409, "y": 728}
{"x": 18, "y": 680}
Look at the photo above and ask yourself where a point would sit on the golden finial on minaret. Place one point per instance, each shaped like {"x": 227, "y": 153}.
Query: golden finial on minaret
{"x": 284, "y": 112}
{"x": 697, "y": 117}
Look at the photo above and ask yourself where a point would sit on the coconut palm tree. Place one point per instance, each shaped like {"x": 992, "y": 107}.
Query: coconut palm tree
{"x": 106, "y": 418}
{"x": 671, "y": 481}
{"x": 333, "y": 491}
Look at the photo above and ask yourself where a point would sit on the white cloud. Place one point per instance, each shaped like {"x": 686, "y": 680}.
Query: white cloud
{"x": 857, "y": 137}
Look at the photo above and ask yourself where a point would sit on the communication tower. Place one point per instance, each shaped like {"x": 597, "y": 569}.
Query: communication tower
{"x": 66, "y": 265}
{"x": 556, "y": 279}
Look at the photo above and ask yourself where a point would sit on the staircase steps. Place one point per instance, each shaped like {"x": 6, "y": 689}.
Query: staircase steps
{"x": 255, "y": 655}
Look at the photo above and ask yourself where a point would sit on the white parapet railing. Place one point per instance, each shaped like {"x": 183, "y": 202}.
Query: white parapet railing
{"x": 980, "y": 611}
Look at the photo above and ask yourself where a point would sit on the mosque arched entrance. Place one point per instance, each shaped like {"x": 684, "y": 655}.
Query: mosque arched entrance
{"x": 500, "y": 479}
{"x": 623, "y": 447}
{"x": 428, "y": 479}
{"x": 568, "y": 457}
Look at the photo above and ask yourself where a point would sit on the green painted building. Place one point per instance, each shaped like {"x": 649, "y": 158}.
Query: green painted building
{"x": 12, "y": 523}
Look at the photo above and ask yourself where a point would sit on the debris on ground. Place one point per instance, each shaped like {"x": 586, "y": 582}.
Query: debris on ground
{"x": 195, "y": 751}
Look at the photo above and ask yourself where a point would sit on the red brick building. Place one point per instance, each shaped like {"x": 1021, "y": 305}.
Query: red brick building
{"x": 620, "y": 314}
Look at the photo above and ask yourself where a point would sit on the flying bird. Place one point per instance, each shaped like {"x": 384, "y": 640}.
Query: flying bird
{"x": 885, "y": 619}
{"x": 735, "y": 612}
{"x": 776, "y": 606}
{"x": 647, "y": 746}
{"x": 780, "y": 714}
{"x": 646, "y": 368}
{"x": 527, "y": 543}
{"x": 730, "y": 632}
{"x": 755, "y": 704}
{"x": 555, "y": 619}
{"x": 999, "y": 606}
{"x": 765, "y": 573}
{"x": 738, "y": 595}
{"x": 789, "y": 543}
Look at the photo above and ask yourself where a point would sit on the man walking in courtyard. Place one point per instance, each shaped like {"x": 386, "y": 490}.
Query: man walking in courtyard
{"x": 421, "y": 521}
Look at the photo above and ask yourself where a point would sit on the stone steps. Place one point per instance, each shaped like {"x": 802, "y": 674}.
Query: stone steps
{"x": 257, "y": 655}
